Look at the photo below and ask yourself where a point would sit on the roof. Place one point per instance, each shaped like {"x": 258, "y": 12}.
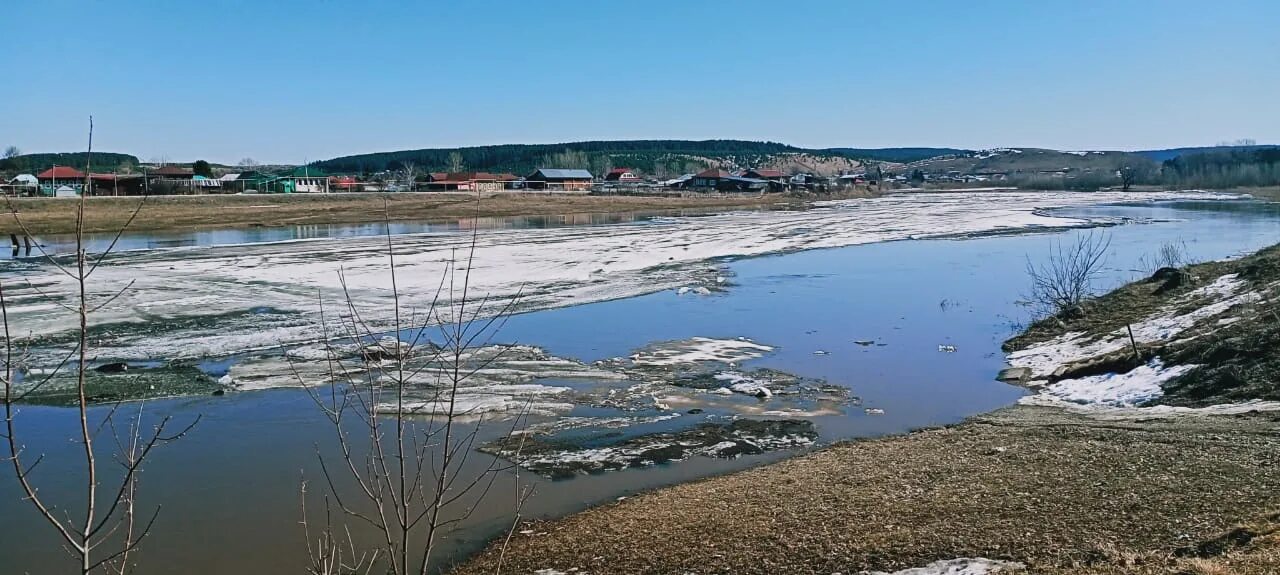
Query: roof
{"x": 114, "y": 177}
{"x": 229, "y": 177}
{"x": 60, "y": 173}
{"x": 562, "y": 174}
{"x": 766, "y": 173}
{"x": 714, "y": 173}
{"x": 308, "y": 172}
{"x": 172, "y": 171}
{"x": 618, "y": 173}
{"x": 24, "y": 179}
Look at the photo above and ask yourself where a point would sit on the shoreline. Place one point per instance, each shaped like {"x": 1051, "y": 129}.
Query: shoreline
{"x": 1070, "y": 480}
{"x": 1057, "y": 491}
{"x": 169, "y": 213}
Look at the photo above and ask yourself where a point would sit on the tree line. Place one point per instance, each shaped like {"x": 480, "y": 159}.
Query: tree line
{"x": 33, "y": 163}
{"x": 597, "y": 156}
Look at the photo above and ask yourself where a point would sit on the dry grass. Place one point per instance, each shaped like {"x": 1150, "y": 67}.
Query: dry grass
{"x": 53, "y": 216}
{"x": 1059, "y": 492}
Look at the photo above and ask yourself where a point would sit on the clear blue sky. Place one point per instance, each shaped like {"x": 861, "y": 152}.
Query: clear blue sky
{"x": 286, "y": 81}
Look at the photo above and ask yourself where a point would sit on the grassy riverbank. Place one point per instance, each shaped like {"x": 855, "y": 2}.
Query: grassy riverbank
{"x": 1060, "y": 492}
{"x": 1063, "y": 488}
{"x": 163, "y": 213}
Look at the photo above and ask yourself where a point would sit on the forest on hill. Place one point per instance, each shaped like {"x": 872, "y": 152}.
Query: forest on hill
{"x": 659, "y": 158}
{"x": 102, "y": 162}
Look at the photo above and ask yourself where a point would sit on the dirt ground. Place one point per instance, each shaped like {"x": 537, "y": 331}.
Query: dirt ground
{"x": 1060, "y": 492}
{"x": 105, "y": 214}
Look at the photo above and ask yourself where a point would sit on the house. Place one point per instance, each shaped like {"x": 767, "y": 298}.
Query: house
{"x": 118, "y": 184}
{"x": 248, "y": 181}
{"x": 22, "y": 185}
{"x": 309, "y": 180}
{"x": 708, "y": 179}
{"x": 680, "y": 182}
{"x": 346, "y": 184}
{"x": 777, "y": 180}
{"x": 763, "y": 174}
{"x": 172, "y": 173}
{"x": 559, "y": 179}
{"x": 466, "y": 181}
{"x": 61, "y": 181}
{"x": 809, "y": 182}
{"x": 716, "y": 179}
{"x": 622, "y": 176}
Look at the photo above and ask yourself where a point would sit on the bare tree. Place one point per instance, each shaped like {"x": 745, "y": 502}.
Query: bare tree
{"x": 1066, "y": 279}
{"x": 408, "y": 452}
{"x": 103, "y": 534}
{"x": 455, "y": 162}
{"x": 12, "y": 152}
{"x": 1127, "y": 176}
{"x": 409, "y": 172}
{"x": 248, "y": 163}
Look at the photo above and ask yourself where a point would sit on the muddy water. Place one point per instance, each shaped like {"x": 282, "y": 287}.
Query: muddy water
{"x": 230, "y": 489}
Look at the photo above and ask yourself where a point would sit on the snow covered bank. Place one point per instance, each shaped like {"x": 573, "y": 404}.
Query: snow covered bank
{"x": 1168, "y": 330}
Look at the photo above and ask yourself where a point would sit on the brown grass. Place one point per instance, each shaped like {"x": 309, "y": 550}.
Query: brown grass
{"x": 1059, "y": 492}
{"x": 54, "y": 216}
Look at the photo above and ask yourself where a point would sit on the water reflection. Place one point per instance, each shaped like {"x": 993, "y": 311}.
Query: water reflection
{"x": 230, "y": 491}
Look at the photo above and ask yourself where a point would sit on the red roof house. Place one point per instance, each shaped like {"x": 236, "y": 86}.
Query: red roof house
{"x": 61, "y": 173}
{"x": 762, "y": 174}
{"x": 621, "y": 175}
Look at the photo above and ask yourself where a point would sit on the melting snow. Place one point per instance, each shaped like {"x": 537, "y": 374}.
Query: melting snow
{"x": 1140, "y": 385}
{"x": 978, "y": 566}
{"x": 201, "y": 297}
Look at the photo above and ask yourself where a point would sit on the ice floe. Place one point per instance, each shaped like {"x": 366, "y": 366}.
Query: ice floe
{"x": 201, "y": 302}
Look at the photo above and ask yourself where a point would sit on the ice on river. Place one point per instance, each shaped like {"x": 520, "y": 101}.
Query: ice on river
{"x": 215, "y": 301}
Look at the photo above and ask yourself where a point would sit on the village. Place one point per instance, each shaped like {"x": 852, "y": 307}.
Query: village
{"x": 67, "y": 181}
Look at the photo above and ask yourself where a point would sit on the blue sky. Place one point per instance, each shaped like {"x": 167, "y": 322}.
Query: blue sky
{"x": 287, "y": 81}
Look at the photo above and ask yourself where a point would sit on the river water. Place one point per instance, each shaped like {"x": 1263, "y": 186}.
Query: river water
{"x": 230, "y": 489}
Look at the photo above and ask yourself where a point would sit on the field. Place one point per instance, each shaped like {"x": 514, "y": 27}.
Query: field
{"x": 57, "y": 216}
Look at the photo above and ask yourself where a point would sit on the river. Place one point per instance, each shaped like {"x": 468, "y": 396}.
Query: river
{"x": 909, "y": 322}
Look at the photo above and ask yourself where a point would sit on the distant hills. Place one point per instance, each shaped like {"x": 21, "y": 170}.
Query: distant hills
{"x": 1171, "y": 153}
{"x": 102, "y": 162}
{"x": 897, "y": 155}
{"x": 669, "y": 158}
{"x": 661, "y": 158}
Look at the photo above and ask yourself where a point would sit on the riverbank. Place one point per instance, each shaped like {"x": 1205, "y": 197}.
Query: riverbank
{"x": 1161, "y": 463}
{"x": 1057, "y": 491}
{"x": 165, "y": 213}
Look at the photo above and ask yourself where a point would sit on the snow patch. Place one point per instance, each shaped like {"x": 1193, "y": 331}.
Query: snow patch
{"x": 1140, "y": 385}
{"x": 966, "y": 566}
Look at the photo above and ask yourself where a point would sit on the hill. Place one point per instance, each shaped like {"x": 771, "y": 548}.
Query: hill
{"x": 1029, "y": 161}
{"x": 1172, "y": 153}
{"x": 102, "y": 162}
{"x": 897, "y": 155}
{"x": 658, "y": 158}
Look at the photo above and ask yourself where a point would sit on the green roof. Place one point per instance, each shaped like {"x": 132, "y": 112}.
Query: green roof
{"x": 308, "y": 171}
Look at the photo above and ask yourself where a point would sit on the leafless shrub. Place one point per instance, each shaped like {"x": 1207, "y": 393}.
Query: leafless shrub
{"x": 1066, "y": 278}
{"x": 102, "y": 535}
{"x": 405, "y": 453}
{"x": 1172, "y": 254}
